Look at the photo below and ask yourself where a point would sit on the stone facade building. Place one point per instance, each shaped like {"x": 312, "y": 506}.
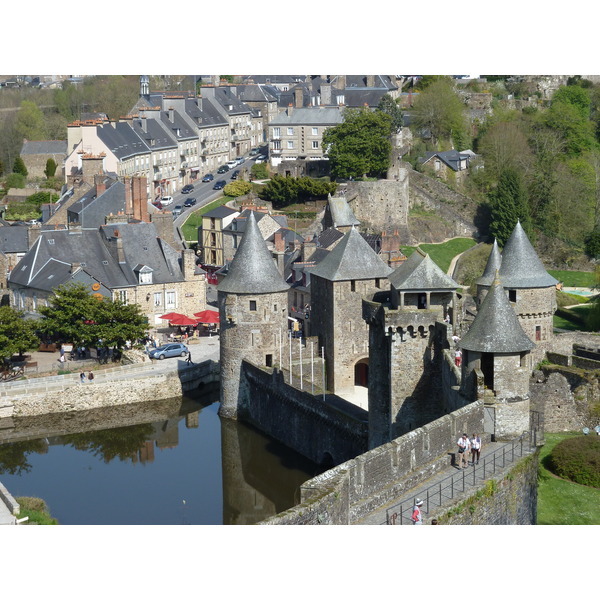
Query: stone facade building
{"x": 35, "y": 155}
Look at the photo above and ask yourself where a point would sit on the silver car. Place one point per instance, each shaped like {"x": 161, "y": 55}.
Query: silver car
{"x": 168, "y": 351}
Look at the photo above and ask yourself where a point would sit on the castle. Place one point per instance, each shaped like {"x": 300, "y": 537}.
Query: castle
{"x": 388, "y": 331}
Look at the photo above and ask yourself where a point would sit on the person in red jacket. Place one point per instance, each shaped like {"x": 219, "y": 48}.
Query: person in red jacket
{"x": 417, "y": 515}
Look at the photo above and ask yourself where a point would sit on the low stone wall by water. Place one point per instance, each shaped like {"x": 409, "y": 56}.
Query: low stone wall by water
{"x": 117, "y": 386}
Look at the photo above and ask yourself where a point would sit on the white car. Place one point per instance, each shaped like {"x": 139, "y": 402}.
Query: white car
{"x": 165, "y": 200}
{"x": 261, "y": 158}
{"x": 232, "y": 163}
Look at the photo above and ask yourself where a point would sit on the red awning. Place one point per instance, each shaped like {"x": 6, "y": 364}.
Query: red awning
{"x": 207, "y": 316}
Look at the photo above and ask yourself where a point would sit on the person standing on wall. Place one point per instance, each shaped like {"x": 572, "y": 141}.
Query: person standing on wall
{"x": 417, "y": 515}
{"x": 463, "y": 449}
{"x": 475, "y": 442}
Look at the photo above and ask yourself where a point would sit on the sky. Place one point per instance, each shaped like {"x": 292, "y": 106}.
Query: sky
{"x": 304, "y": 37}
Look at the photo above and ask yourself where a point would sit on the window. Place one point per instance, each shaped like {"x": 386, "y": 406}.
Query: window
{"x": 538, "y": 333}
{"x": 290, "y": 131}
{"x": 146, "y": 277}
{"x": 315, "y": 131}
{"x": 123, "y": 296}
{"x": 170, "y": 299}
{"x": 157, "y": 298}
{"x": 315, "y": 144}
{"x": 512, "y": 295}
{"x": 276, "y": 132}
{"x": 253, "y": 305}
{"x": 290, "y": 144}
{"x": 277, "y": 145}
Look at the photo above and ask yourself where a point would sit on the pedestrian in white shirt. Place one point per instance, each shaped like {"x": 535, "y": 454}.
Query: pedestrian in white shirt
{"x": 475, "y": 448}
{"x": 463, "y": 451}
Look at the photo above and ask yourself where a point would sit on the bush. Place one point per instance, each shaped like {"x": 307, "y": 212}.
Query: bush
{"x": 14, "y": 180}
{"x": 592, "y": 244}
{"x": 577, "y": 459}
{"x": 237, "y": 188}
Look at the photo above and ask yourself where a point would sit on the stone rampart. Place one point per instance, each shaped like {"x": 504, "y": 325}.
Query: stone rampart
{"x": 344, "y": 494}
{"x": 113, "y": 387}
{"x": 325, "y": 431}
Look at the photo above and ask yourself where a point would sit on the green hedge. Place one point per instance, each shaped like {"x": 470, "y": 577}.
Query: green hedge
{"x": 577, "y": 459}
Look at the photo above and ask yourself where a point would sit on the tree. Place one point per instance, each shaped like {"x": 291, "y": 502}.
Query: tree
{"x": 259, "y": 171}
{"x": 30, "y": 123}
{"x": 237, "y": 188}
{"x": 282, "y": 191}
{"x": 50, "y": 169}
{"x": 509, "y": 205}
{"x": 76, "y": 316}
{"x": 19, "y": 167}
{"x": 360, "y": 145}
{"x": 391, "y": 107}
{"x": 17, "y": 335}
{"x": 439, "y": 110}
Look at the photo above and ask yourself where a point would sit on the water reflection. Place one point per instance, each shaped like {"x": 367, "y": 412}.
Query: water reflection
{"x": 166, "y": 462}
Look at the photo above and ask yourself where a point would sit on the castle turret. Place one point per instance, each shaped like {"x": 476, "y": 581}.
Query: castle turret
{"x": 253, "y": 313}
{"x": 530, "y": 288}
{"x": 350, "y": 272}
{"x": 497, "y": 349}
{"x": 486, "y": 280}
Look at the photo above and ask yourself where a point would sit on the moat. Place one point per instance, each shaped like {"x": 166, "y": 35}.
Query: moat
{"x": 171, "y": 462}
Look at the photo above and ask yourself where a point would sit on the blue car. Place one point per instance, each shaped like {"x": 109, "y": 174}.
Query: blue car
{"x": 219, "y": 185}
{"x": 208, "y": 177}
{"x": 168, "y": 351}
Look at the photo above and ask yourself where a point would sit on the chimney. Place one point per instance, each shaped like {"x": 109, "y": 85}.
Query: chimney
{"x": 341, "y": 82}
{"x": 290, "y": 109}
{"x": 325, "y": 94}
{"x": 188, "y": 264}
{"x": 279, "y": 242}
{"x": 144, "y": 122}
{"x": 100, "y": 185}
{"x": 172, "y": 114}
{"x": 279, "y": 252}
{"x": 370, "y": 81}
{"x": 308, "y": 249}
{"x": 299, "y": 96}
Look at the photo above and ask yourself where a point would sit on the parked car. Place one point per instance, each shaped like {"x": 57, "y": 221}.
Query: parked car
{"x": 168, "y": 351}
{"x": 254, "y": 151}
{"x": 235, "y": 174}
{"x": 241, "y": 160}
{"x": 232, "y": 163}
{"x": 166, "y": 200}
{"x": 177, "y": 210}
{"x": 220, "y": 184}
{"x": 189, "y": 202}
{"x": 261, "y": 158}
{"x": 222, "y": 169}
{"x": 186, "y": 189}
{"x": 208, "y": 177}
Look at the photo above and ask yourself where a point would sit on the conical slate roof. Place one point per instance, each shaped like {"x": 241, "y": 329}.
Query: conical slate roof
{"x": 521, "y": 266}
{"x": 352, "y": 258}
{"x": 496, "y": 327}
{"x": 493, "y": 265}
{"x": 253, "y": 270}
{"x": 419, "y": 272}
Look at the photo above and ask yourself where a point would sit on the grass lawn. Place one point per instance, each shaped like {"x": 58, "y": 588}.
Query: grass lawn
{"x": 575, "y": 278}
{"x": 581, "y": 311}
{"x": 442, "y": 254}
{"x": 190, "y": 227}
{"x": 562, "y": 502}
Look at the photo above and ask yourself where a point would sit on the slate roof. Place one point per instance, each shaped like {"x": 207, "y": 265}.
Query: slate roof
{"x": 521, "y": 266}
{"x": 451, "y": 158}
{"x": 328, "y": 237}
{"x": 352, "y": 258}
{"x": 252, "y": 270}
{"x": 309, "y": 116}
{"x": 45, "y": 147}
{"x": 48, "y": 263}
{"x": 91, "y": 210}
{"x": 255, "y": 93}
{"x": 14, "y": 239}
{"x": 220, "y": 212}
{"x": 492, "y": 265}
{"x": 418, "y": 272}
{"x": 122, "y": 140}
{"x": 341, "y": 213}
{"x": 496, "y": 327}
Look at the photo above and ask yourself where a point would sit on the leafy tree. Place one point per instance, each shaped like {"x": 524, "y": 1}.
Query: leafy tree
{"x": 30, "y": 121}
{"x": 282, "y": 191}
{"x": 1, "y": 168}
{"x": 50, "y": 169}
{"x": 439, "y": 110}
{"x": 259, "y": 171}
{"x": 360, "y": 145}
{"x": 17, "y": 335}
{"x": 509, "y": 205}
{"x": 391, "y": 107}
{"x": 592, "y": 244}
{"x": 237, "y": 188}
{"x": 19, "y": 167}
{"x": 78, "y": 317}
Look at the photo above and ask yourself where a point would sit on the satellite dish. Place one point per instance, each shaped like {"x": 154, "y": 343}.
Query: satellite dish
{"x": 585, "y": 430}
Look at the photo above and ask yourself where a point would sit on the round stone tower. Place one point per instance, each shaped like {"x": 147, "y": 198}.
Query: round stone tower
{"x": 531, "y": 290}
{"x": 497, "y": 365}
{"x": 253, "y": 313}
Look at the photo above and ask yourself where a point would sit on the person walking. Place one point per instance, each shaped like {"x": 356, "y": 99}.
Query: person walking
{"x": 91, "y": 376}
{"x": 475, "y": 448}
{"x": 457, "y": 357}
{"x": 82, "y": 377}
{"x": 417, "y": 515}
{"x": 463, "y": 451}
{"x": 189, "y": 359}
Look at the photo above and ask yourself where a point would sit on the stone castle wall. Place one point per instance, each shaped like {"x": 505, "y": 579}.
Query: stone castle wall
{"x": 382, "y": 474}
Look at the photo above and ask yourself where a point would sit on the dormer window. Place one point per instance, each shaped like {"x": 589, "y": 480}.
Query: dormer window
{"x": 144, "y": 274}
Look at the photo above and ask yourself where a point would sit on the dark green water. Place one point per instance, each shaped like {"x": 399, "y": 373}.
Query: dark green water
{"x": 166, "y": 463}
